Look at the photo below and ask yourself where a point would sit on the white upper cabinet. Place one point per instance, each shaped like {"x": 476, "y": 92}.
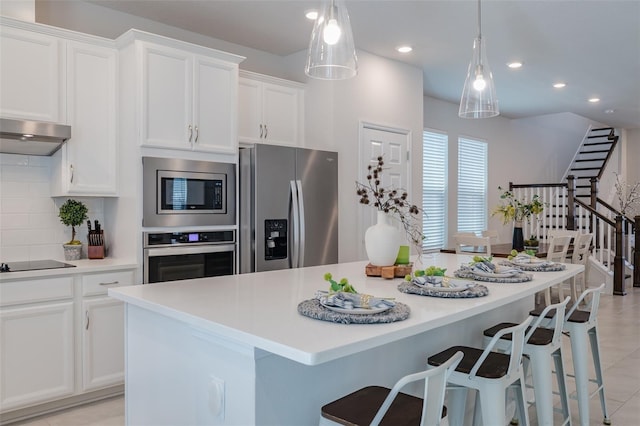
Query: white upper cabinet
{"x": 31, "y": 70}
{"x": 189, "y": 101}
{"x": 270, "y": 110}
{"x": 86, "y": 163}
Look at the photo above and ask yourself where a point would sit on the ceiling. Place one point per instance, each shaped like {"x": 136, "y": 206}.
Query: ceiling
{"x": 593, "y": 46}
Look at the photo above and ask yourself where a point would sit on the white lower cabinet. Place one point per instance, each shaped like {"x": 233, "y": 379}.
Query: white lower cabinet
{"x": 102, "y": 343}
{"x": 60, "y": 337}
{"x": 36, "y": 353}
{"x": 102, "y": 330}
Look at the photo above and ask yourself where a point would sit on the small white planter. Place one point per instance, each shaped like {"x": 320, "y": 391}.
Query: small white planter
{"x": 72, "y": 251}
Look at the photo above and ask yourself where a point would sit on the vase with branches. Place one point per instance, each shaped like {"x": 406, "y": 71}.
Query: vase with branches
{"x": 391, "y": 203}
{"x": 628, "y": 195}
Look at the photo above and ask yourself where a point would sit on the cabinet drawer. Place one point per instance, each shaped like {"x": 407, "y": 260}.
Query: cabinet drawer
{"x": 98, "y": 284}
{"x": 30, "y": 291}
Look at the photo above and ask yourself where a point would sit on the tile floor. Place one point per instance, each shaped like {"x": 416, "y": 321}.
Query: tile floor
{"x": 619, "y": 332}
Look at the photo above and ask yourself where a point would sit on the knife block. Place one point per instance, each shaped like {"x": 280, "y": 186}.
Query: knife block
{"x": 96, "y": 251}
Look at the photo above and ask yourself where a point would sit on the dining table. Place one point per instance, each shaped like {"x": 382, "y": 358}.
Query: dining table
{"x": 504, "y": 250}
{"x": 247, "y": 348}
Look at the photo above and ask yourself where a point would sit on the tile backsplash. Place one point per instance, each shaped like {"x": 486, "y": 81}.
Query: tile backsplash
{"x": 30, "y": 228}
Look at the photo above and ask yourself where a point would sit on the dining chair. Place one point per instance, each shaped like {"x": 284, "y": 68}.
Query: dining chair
{"x": 580, "y": 255}
{"x": 492, "y": 234}
{"x": 466, "y": 244}
{"x": 559, "y": 241}
{"x": 375, "y": 405}
{"x": 489, "y": 372}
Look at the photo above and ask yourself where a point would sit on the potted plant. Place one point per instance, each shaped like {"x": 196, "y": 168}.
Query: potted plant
{"x": 73, "y": 213}
{"x": 516, "y": 210}
{"x": 531, "y": 243}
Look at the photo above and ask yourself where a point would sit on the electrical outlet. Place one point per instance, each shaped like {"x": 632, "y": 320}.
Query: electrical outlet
{"x": 216, "y": 397}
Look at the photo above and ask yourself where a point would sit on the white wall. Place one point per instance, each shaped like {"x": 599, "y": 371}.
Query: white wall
{"x": 29, "y": 225}
{"x": 527, "y": 150}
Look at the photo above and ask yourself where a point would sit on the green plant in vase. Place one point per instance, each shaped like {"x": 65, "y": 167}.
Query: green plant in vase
{"x": 73, "y": 213}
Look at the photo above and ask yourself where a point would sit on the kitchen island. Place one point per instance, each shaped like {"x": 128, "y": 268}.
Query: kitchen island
{"x": 234, "y": 350}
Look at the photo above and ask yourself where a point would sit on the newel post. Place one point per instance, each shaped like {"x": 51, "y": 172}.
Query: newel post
{"x": 571, "y": 197}
{"x": 618, "y": 259}
{"x": 594, "y": 192}
{"x": 636, "y": 253}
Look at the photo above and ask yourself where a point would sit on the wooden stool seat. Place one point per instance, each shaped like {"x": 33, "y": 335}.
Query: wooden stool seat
{"x": 361, "y": 406}
{"x": 577, "y": 316}
{"x": 494, "y": 367}
{"x": 540, "y": 337}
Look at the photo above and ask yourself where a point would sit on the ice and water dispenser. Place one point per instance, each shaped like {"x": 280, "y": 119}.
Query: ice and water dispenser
{"x": 275, "y": 239}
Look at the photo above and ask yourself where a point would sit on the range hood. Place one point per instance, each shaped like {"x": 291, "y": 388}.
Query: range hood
{"x": 32, "y": 137}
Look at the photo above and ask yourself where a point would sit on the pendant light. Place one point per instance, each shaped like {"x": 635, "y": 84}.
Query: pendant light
{"x": 479, "y": 94}
{"x": 332, "y": 53}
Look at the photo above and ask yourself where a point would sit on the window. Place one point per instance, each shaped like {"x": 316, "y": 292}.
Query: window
{"x": 472, "y": 185}
{"x": 434, "y": 189}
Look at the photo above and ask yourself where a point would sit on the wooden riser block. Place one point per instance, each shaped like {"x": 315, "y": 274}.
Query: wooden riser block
{"x": 389, "y": 272}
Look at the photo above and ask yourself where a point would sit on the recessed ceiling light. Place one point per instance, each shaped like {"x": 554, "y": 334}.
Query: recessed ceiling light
{"x": 609, "y": 111}
{"x": 311, "y": 14}
{"x": 594, "y": 100}
{"x": 404, "y": 49}
{"x": 515, "y": 65}
{"x": 559, "y": 85}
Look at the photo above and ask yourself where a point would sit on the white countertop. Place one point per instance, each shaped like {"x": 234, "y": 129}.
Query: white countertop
{"x": 260, "y": 309}
{"x": 82, "y": 266}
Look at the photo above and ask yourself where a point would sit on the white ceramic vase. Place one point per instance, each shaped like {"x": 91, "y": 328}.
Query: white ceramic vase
{"x": 382, "y": 241}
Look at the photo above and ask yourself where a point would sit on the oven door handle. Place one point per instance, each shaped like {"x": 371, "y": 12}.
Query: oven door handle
{"x": 171, "y": 251}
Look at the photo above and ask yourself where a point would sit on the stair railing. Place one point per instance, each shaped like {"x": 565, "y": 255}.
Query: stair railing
{"x": 614, "y": 235}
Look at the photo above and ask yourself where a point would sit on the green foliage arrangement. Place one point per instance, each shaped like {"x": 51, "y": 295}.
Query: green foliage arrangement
{"x": 73, "y": 213}
{"x": 343, "y": 285}
{"x": 512, "y": 208}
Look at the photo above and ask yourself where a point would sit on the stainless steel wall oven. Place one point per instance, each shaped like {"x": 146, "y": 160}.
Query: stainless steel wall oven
{"x": 171, "y": 256}
{"x": 179, "y": 192}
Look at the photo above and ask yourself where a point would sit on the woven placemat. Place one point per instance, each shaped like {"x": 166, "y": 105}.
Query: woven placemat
{"x": 313, "y": 309}
{"x": 519, "y": 278}
{"x": 532, "y": 267}
{"x": 477, "y": 290}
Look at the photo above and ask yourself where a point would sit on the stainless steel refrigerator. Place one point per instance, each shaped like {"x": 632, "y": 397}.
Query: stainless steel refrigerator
{"x": 288, "y": 208}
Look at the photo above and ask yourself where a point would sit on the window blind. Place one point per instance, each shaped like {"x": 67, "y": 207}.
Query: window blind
{"x": 472, "y": 185}
{"x": 434, "y": 189}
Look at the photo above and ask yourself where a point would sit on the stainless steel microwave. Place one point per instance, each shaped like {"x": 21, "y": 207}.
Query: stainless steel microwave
{"x": 178, "y": 192}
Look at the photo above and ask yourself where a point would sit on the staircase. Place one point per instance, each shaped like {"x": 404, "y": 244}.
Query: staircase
{"x": 591, "y": 159}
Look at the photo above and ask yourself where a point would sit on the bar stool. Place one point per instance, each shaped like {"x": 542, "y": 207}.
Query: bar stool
{"x": 582, "y": 326}
{"x": 559, "y": 241}
{"x": 377, "y": 405}
{"x": 542, "y": 344}
{"x": 491, "y": 374}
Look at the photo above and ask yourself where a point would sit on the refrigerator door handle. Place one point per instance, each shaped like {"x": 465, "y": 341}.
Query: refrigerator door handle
{"x": 301, "y": 240}
{"x": 295, "y": 221}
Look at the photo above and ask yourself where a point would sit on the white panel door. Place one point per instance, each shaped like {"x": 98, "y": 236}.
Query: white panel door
{"x": 214, "y": 105}
{"x": 249, "y": 110}
{"x": 393, "y": 145}
{"x": 36, "y": 354}
{"x": 91, "y": 152}
{"x": 102, "y": 343}
{"x": 167, "y": 97}
{"x": 31, "y": 76}
{"x": 280, "y": 106}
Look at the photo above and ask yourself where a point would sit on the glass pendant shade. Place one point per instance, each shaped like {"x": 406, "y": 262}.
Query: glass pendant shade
{"x": 479, "y": 94}
{"x": 332, "y": 53}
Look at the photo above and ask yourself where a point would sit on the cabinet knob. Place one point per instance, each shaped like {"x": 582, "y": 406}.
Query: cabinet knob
{"x": 71, "y": 173}
{"x": 190, "y": 132}
{"x": 261, "y": 131}
{"x": 86, "y": 317}
{"x": 197, "y": 134}
{"x": 266, "y": 131}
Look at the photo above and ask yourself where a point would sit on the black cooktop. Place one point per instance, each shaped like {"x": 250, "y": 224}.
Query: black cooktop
{"x": 33, "y": 265}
